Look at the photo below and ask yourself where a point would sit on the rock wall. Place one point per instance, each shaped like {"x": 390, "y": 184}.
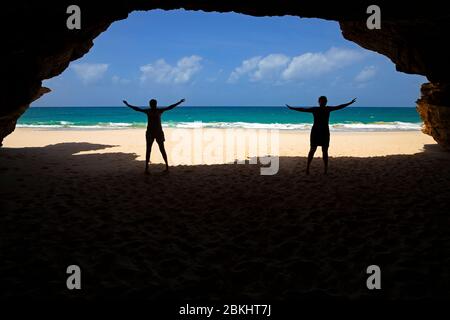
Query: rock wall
{"x": 435, "y": 113}
{"x": 37, "y": 45}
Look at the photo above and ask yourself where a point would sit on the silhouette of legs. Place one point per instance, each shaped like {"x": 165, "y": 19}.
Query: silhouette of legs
{"x": 325, "y": 158}
{"x": 310, "y": 157}
{"x": 147, "y": 152}
{"x": 163, "y": 153}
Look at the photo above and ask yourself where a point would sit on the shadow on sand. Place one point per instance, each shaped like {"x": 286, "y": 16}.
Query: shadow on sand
{"x": 222, "y": 231}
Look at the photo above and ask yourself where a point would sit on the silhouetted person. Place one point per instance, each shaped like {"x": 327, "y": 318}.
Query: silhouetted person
{"x": 320, "y": 132}
{"x": 154, "y": 128}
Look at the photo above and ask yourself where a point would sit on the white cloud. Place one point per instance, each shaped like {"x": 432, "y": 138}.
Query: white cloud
{"x": 162, "y": 72}
{"x": 319, "y": 63}
{"x": 279, "y": 67}
{"x": 118, "y": 80}
{"x": 366, "y": 74}
{"x": 270, "y": 67}
{"x": 89, "y": 72}
{"x": 246, "y": 66}
{"x": 261, "y": 68}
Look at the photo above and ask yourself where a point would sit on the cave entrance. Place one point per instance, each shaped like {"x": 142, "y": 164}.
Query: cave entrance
{"x": 232, "y": 60}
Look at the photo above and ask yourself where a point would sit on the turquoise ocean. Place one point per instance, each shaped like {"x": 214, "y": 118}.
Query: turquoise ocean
{"x": 349, "y": 119}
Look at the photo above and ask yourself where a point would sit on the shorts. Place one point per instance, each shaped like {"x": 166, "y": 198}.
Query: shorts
{"x": 320, "y": 138}
{"x": 158, "y": 136}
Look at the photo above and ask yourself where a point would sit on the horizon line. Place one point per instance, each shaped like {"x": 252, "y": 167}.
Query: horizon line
{"x": 211, "y": 106}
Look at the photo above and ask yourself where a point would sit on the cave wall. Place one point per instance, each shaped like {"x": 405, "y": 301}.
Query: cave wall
{"x": 38, "y": 46}
{"x": 433, "y": 107}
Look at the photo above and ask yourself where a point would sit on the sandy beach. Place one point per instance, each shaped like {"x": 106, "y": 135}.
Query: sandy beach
{"x": 292, "y": 143}
{"x": 215, "y": 229}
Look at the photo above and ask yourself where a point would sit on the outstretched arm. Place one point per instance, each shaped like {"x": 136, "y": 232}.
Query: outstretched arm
{"x": 133, "y": 107}
{"x": 299, "y": 109}
{"x": 173, "y": 105}
{"x": 342, "y": 106}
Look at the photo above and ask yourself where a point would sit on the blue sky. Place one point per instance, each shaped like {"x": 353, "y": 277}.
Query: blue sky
{"x": 214, "y": 59}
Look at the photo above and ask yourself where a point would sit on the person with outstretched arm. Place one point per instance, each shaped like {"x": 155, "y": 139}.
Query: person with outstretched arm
{"x": 154, "y": 128}
{"x": 320, "y": 132}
